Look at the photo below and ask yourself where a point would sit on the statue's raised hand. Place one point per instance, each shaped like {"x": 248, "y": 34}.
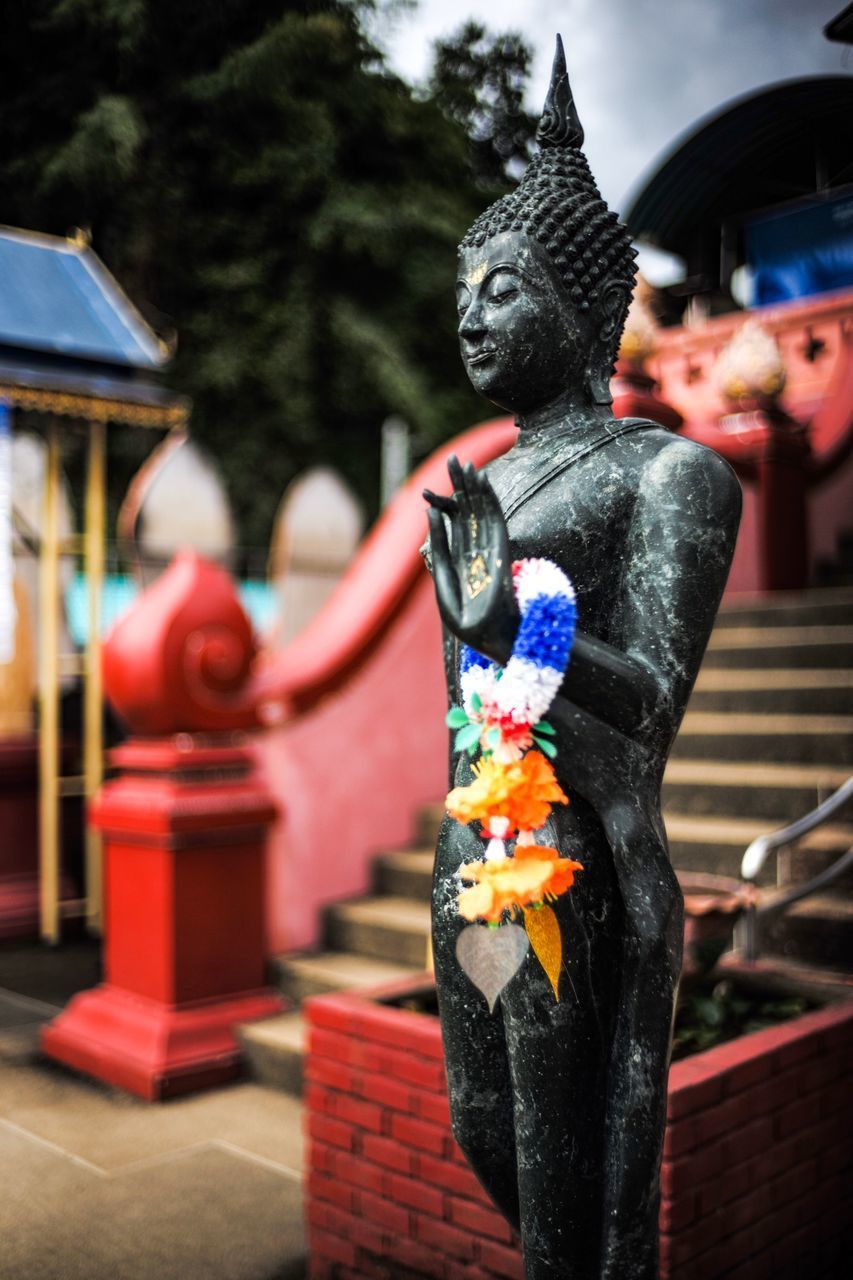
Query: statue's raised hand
{"x": 473, "y": 572}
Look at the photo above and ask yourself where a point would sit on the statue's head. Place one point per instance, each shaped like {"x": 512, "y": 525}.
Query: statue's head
{"x": 546, "y": 275}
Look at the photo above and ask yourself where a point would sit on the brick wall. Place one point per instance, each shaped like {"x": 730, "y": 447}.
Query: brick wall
{"x": 757, "y": 1177}
{"x": 757, "y": 1161}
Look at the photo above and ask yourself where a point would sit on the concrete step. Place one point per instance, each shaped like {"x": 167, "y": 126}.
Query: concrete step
{"x": 711, "y": 844}
{"x": 790, "y": 609}
{"x": 820, "y": 692}
{"x": 765, "y": 736}
{"x": 772, "y": 792}
{"x": 407, "y": 873}
{"x": 806, "y": 646}
{"x": 793, "y": 866}
{"x": 394, "y": 929}
{"x": 776, "y": 976}
{"x": 429, "y": 819}
{"x": 274, "y": 1048}
{"x": 799, "y": 865}
{"x": 717, "y": 845}
{"x": 816, "y": 931}
{"x": 314, "y": 974}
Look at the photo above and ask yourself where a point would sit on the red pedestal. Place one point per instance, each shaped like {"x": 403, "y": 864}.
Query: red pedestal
{"x": 185, "y": 828}
{"x": 19, "y": 880}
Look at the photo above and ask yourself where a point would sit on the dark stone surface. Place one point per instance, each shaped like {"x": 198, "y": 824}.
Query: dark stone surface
{"x": 560, "y": 1107}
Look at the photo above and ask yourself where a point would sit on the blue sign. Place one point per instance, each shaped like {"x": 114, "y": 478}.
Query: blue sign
{"x": 799, "y": 251}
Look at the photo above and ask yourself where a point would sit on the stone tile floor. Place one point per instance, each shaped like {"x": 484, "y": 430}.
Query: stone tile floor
{"x": 97, "y": 1185}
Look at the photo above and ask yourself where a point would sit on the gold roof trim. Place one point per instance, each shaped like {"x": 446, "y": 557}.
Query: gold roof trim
{"x": 96, "y": 409}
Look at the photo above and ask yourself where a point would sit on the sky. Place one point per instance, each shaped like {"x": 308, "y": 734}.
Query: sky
{"x": 643, "y": 71}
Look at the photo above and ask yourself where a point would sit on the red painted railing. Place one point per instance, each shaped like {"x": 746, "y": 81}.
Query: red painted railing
{"x": 790, "y": 455}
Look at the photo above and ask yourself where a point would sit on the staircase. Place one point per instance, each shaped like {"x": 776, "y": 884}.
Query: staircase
{"x": 767, "y": 736}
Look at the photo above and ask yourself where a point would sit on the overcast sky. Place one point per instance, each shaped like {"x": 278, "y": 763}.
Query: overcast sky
{"x": 642, "y": 71}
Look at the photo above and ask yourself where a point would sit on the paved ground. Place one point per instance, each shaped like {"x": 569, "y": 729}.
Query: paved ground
{"x": 96, "y": 1185}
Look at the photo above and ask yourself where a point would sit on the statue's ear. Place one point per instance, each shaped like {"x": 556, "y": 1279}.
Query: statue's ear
{"x": 614, "y": 301}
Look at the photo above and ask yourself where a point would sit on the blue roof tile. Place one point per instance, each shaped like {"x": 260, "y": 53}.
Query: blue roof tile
{"x": 57, "y": 297}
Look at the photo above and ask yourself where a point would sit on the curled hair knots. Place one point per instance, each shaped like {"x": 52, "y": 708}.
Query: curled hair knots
{"x": 558, "y": 204}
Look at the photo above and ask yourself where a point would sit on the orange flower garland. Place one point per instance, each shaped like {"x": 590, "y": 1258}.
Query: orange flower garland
{"x": 514, "y": 788}
{"x": 563, "y": 870}
{"x": 533, "y": 875}
{"x": 522, "y": 792}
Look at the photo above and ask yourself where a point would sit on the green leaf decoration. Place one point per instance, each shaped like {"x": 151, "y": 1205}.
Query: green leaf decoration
{"x": 456, "y": 718}
{"x": 547, "y": 748}
{"x": 493, "y": 737}
{"x": 476, "y": 702}
{"x": 467, "y": 739}
{"x": 544, "y": 727}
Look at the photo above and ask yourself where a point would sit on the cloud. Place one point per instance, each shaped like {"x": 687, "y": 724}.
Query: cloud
{"x": 643, "y": 71}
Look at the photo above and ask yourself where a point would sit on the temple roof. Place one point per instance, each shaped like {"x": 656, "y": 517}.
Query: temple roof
{"x": 58, "y": 297}
{"x": 71, "y": 342}
{"x": 778, "y": 145}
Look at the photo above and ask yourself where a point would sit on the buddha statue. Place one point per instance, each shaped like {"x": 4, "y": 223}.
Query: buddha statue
{"x": 559, "y": 1104}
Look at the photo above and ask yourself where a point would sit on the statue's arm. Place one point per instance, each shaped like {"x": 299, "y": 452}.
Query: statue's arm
{"x": 682, "y": 542}
{"x": 681, "y": 546}
{"x": 619, "y": 689}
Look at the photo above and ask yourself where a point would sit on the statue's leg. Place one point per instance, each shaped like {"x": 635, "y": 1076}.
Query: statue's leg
{"x": 475, "y": 1054}
{"x": 558, "y": 1055}
{"x": 650, "y": 967}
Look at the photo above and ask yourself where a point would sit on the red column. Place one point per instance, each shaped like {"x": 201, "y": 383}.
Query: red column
{"x": 773, "y": 448}
{"x": 185, "y": 824}
{"x": 783, "y": 480}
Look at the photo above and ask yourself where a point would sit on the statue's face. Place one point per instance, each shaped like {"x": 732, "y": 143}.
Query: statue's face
{"x": 523, "y": 342}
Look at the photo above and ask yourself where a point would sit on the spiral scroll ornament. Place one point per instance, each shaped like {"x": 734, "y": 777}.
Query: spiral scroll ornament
{"x": 180, "y": 659}
{"x": 217, "y": 662}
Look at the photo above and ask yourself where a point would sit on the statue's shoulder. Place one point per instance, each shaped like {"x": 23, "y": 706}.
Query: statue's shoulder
{"x": 676, "y": 464}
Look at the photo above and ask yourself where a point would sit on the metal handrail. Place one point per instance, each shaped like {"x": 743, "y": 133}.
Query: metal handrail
{"x": 757, "y": 853}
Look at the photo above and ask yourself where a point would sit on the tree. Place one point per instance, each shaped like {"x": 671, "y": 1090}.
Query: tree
{"x": 261, "y": 184}
{"x": 479, "y": 80}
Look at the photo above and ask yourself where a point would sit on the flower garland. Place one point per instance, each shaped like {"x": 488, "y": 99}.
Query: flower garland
{"x": 514, "y": 789}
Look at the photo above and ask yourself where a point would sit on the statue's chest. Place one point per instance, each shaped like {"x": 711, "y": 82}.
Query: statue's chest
{"x": 582, "y": 520}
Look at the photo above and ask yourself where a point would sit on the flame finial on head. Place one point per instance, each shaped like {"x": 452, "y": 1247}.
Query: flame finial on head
{"x": 560, "y": 125}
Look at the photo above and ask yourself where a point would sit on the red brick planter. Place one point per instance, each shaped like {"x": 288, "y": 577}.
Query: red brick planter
{"x": 757, "y": 1160}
